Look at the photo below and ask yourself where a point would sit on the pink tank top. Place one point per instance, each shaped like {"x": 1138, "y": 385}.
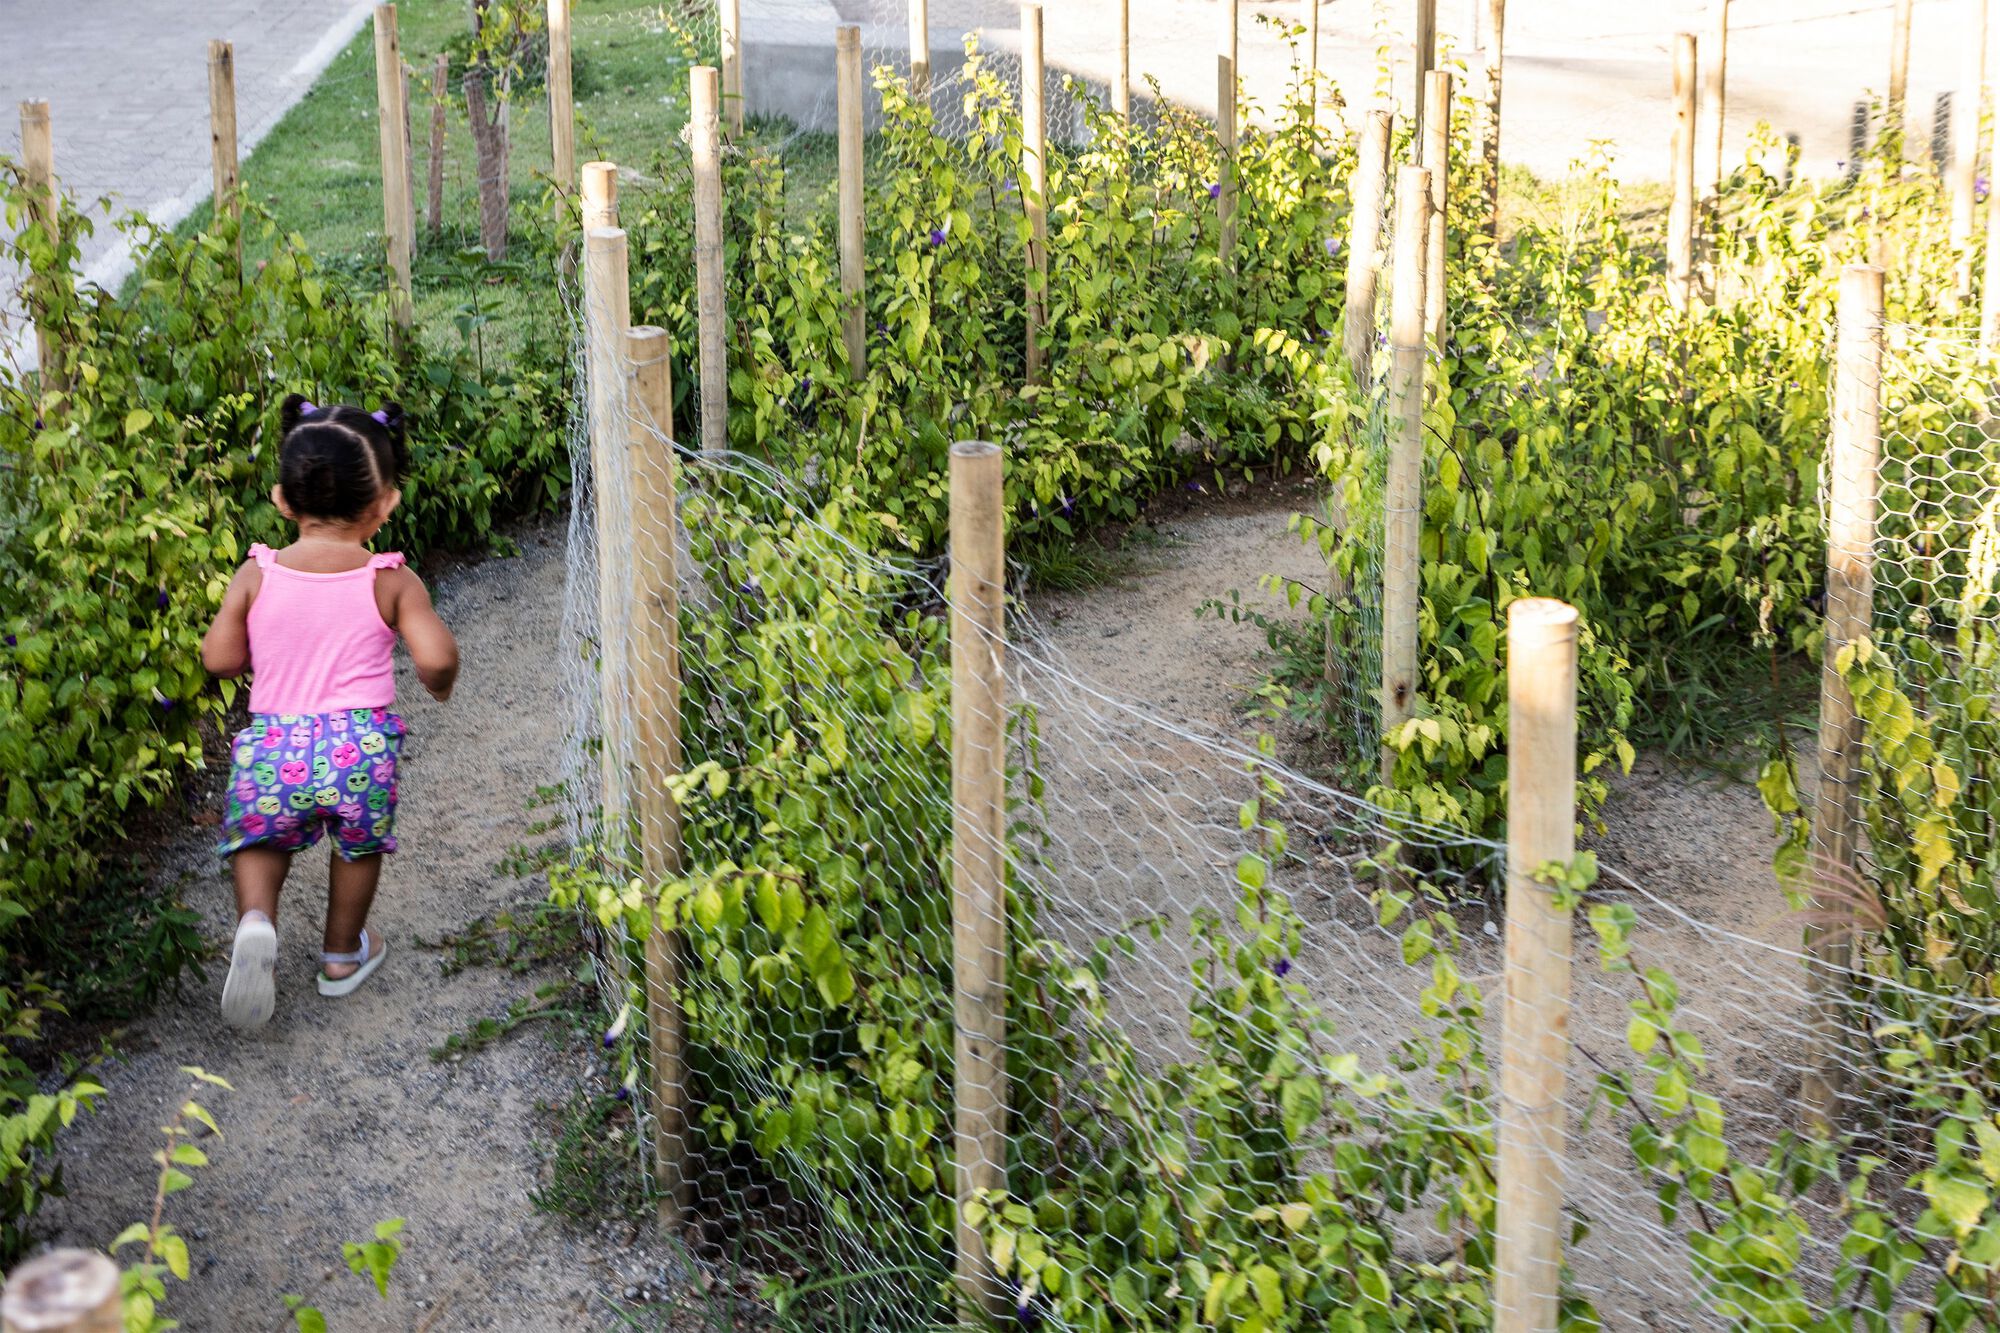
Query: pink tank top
{"x": 318, "y": 643}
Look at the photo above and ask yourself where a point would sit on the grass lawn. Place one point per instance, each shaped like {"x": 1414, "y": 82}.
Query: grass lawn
{"x": 318, "y": 173}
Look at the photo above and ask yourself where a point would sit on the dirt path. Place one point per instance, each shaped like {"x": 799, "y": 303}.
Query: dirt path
{"x": 340, "y": 1118}
{"x": 1141, "y": 823}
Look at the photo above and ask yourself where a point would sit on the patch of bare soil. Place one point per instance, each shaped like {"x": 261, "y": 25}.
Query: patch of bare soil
{"x": 1143, "y": 733}
{"x": 340, "y": 1118}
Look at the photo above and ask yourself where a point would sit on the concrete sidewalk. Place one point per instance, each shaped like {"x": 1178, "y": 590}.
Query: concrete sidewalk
{"x": 1578, "y": 71}
{"x": 127, "y": 86}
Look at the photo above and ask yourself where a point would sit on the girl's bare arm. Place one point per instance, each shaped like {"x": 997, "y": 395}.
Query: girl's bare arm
{"x": 433, "y": 650}
{"x": 225, "y": 649}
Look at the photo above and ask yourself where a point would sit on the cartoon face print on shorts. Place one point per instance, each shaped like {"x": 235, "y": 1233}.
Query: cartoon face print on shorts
{"x": 345, "y": 755}
{"x": 338, "y": 723}
{"x": 357, "y": 781}
{"x": 374, "y": 742}
{"x": 274, "y": 736}
{"x": 327, "y": 798}
{"x": 378, "y": 798}
{"x": 268, "y": 805}
{"x": 301, "y": 800}
{"x": 301, "y": 735}
{"x": 292, "y": 772}
{"x": 383, "y": 771}
{"x": 322, "y": 770}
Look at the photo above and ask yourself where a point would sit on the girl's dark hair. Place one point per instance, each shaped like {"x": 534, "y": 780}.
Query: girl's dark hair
{"x": 335, "y": 461}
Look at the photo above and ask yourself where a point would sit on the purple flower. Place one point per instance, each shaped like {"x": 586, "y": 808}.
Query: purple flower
{"x": 1194, "y": 488}
{"x": 1381, "y": 338}
{"x": 1979, "y": 187}
{"x": 1332, "y": 244}
{"x": 162, "y": 600}
{"x": 623, "y": 1094}
{"x": 1282, "y": 968}
{"x": 10, "y": 641}
{"x": 937, "y": 237}
{"x": 166, "y": 705}
{"x": 1068, "y": 506}
{"x": 38, "y": 423}
{"x": 1007, "y": 186}
{"x": 1215, "y": 189}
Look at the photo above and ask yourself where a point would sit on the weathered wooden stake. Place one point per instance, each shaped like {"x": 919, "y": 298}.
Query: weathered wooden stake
{"x": 38, "y": 164}
{"x": 1899, "y": 76}
{"x": 656, "y": 726}
{"x": 440, "y": 98}
{"x": 1364, "y": 242}
{"x": 732, "y": 65}
{"x": 562, "y": 106}
{"x": 409, "y": 162}
{"x": 1680, "y": 214}
{"x": 1403, "y": 495}
{"x": 1437, "y": 160}
{"x": 1425, "y": 45}
{"x": 853, "y": 256}
{"x": 1967, "y": 108}
{"x": 607, "y": 301}
{"x": 395, "y": 165}
{"x": 1852, "y": 458}
{"x": 1714, "y": 98}
{"x": 978, "y": 850}
{"x": 1035, "y": 181}
{"x": 1534, "y": 1035}
{"x": 600, "y": 195}
{"x": 920, "y": 51}
{"x": 63, "y": 1291}
{"x": 1489, "y": 130}
{"x": 1312, "y": 57}
{"x": 711, "y": 314}
{"x": 222, "y": 129}
{"x": 1121, "y": 86}
{"x": 1225, "y": 129}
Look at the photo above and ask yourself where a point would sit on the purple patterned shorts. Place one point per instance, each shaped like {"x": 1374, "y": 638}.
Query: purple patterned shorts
{"x": 294, "y": 778}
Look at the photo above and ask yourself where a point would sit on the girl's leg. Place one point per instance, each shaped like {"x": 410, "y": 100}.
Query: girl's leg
{"x": 350, "y": 893}
{"x": 259, "y": 873}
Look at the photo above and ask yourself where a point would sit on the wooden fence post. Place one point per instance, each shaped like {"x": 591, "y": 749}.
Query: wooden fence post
{"x": 395, "y": 168}
{"x": 656, "y": 725}
{"x": 732, "y": 65}
{"x": 1437, "y": 160}
{"x": 1312, "y": 58}
{"x": 1225, "y": 133}
{"x": 920, "y": 51}
{"x": 409, "y": 162}
{"x": 1035, "y": 181}
{"x": 607, "y": 302}
{"x": 978, "y": 850}
{"x": 711, "y": 315}
{"x": 600, "y": 195}
{"x": 38, "y": 164}
{"x": 1534, "y": 1036}
{"x": 1489, "y": 129}
{"x": 222, "y": 129}
{"x": 562, "y": 106}
{"x": 1425, "y": 44}
{"x": 1364, "y": 242}
{"x": 1121, "y": 85}
{"x": 440, "y": 95}
{"x": 1680, "y": 214}
{"x": 63, "y": 1291}
{"x": 1714, "y": 97}
{"x": 1402, "y": 501}
{"x": 1966, "y": 112}
{"x": 853, "y": 241}
{"x": 1852, "y": 458}
{"x": 1899, "y": 76}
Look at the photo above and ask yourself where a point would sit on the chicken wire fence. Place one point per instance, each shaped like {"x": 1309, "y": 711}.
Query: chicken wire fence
{"x": 1231, "y": 988}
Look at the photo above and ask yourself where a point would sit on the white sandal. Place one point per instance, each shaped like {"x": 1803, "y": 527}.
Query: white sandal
{"x": 250, "y": 992}
{"x": 369, "y": 955}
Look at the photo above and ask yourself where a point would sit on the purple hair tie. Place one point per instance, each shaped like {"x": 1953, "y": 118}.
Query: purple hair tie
{"x": 381, "y": 417}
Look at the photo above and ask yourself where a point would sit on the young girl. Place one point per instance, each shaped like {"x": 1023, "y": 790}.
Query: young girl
{"x": 315, "y": 624}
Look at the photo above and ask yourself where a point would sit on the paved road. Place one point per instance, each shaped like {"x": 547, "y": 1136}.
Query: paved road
{"x": 127, "y": 86}
{"x": 1577, "y": 70}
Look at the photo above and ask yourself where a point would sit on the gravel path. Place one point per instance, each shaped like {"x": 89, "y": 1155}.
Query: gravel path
{"x": 339, "y": 1117}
